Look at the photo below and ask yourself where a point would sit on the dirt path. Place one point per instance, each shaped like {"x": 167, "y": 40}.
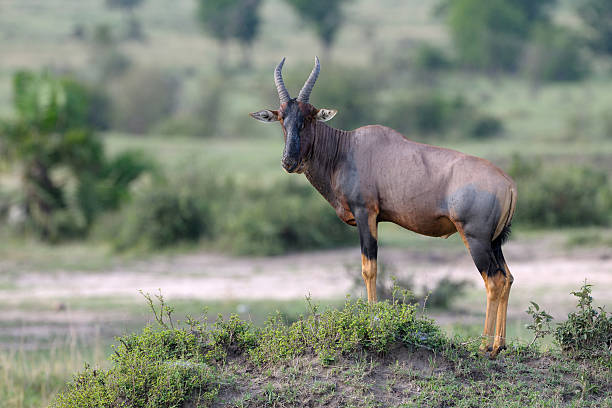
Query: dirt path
{"x": 326, "y": 274}
{"x": 33, "y": 312}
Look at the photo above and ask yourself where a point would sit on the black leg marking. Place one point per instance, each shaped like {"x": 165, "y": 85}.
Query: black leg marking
{"x": 369, "y": 244}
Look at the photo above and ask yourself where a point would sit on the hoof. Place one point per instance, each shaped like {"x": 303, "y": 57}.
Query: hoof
{"x": 485, "y": 349}
{"x": 496, "y": 351}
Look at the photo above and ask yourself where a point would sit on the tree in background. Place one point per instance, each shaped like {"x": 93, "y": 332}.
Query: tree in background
{"x": 66, "y": 178}
{"x": 230, "y": 19}
{"x": 134, "y": 28}
{"x": 554, "y": 54}
{"x": 597, "y": 14}
{"x": 491, "y": 34}
{"x": 325, "y": 15}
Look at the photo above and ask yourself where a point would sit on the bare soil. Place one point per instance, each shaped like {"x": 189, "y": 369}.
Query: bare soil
{"x": 323, "y": 275}
{"x": 542, "y": 273}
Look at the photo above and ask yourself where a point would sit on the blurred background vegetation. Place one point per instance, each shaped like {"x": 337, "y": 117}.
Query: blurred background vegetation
{"x": 486, "y": 77}
{"x": 124, "y": 126}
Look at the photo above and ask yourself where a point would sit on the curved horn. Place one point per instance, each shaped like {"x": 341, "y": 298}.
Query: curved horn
{"x": 304, "y": 94}
{"x": 283, "y": 94}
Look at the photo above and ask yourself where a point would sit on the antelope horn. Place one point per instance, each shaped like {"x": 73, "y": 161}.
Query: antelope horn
{"x": 304, "y": 94}
{"x": 283, "y": 94}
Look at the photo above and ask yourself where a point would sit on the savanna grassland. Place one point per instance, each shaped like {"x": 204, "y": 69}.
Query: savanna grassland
{"x": 62, "y": 304}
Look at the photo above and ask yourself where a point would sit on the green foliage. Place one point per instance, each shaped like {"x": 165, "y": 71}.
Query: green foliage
{"x": 484, "y": 126}
{"x": 560, "y": 197}
{"x": 154, "y": 369}
{"x": 281, "y": 218}
{"x": 358, "y": 327}
{"x": 173, "y": 367}
{"x": 354, "y": 349}
{"x": 425, "y": 113}
{"x": 490, "y": 34}
{"x": 230, "y": 19}
{"x": 428, "y": 58}
{"x": 349, "y": 90}
{"x": 109, "y": 186}
{"x": 555, "y": 54}
{"x": 164, "y": 215}
{"x": 431, "y": 112}
{"x": 388, "y": 285}
{"x": 206, "y": 115}
{"x": 541, "y": 322}
{"x": 587, "y": 333}
{"x": 444, "y": 293}
{"x": 325, "y": 15}
{"x": 597, "y": 16}
{"x": 143, "y": 97}
{"x": 66, "y": 177}
{"x": 244, "y": 219}
{"x": 56, "y": 104}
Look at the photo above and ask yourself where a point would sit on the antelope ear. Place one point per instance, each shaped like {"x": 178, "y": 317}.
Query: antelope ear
{"x": 324, "y": 115}
{"x": 265, "y": 115}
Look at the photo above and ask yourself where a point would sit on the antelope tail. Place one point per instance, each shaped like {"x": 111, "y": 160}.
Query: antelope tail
{"x": 507, "y": 213}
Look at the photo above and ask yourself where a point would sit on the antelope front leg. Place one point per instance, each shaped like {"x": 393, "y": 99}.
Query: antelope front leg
{"x": 368, "y": 234}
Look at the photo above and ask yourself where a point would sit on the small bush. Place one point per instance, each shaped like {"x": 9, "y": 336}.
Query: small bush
{"x": 243, "y": 219}
{"x": 388, "y": 283}
{"x": 424, "y": 112}
{"x": 428, "y": 58}
{"x": 485, "y": 126}
{"x": 282, "y": 218}
{"x": 444, "y": 293}
{"x": 561, "y": 197}
{"x": 588, "y": 331}
{"x": 163, "y": 216}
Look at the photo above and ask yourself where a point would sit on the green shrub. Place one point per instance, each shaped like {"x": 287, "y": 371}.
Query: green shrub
{"x": 491, "y": 34}
{"x": 484, "y": 126}
{"x": 424, "y": 112}
{"x": 388, "y": 283}
{"x": 162, "y": 216}
{"x": 154, "y": 369}
{"x": 555, "y": 54}
{"x": 358, "y": 327}
{"x": 66, "y": 177}
{"x": 561, "y": 197}
{"x": 284, "y": 217}
{"x": 241, "y": 218}
{"x": 172, "y": 367}
{"x": 444, "y": 293}
{"x": 428, "y": 58}
{"x": 586, "y": 332}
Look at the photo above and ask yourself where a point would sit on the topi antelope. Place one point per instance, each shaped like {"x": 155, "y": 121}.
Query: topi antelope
{"x": 374, "y": 174}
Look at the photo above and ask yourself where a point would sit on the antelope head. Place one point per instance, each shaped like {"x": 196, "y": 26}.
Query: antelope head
{"x": 297, "y": 117}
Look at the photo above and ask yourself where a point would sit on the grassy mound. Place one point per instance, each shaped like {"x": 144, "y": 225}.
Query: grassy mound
{"x": 362, "y": 355}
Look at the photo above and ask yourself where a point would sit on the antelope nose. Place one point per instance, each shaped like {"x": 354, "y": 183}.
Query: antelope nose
{"x": 289, "y": 164}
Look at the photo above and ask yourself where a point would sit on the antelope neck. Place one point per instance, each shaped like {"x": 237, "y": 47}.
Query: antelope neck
{"x": 329, "y": 148}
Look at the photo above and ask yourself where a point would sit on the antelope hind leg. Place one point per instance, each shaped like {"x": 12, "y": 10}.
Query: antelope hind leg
{"x": 484, "y": 259}
{"x": 500, "y": 331}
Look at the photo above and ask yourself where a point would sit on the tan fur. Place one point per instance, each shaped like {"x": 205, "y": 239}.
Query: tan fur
{"x": 369, "y": 272}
